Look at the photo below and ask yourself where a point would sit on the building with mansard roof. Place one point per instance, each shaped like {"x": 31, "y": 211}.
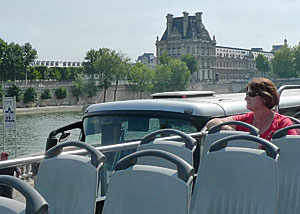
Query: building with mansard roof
{"x": 188, "y": 35}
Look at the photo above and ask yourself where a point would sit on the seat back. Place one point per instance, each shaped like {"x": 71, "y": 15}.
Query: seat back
{"x": 216, "y": 133}
{"x": 237, "y": 180}
{"x": 288, "y": 170}
{"x": 35, "y": 203}
{"x": 184, "y": 150}
{"x": 149, "y": 189}
{"x": 70, "y": 182}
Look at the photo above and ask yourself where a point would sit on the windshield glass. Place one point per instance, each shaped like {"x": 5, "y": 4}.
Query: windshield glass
{"x": 103, "y": 130}
{"x": 114, "y": 129}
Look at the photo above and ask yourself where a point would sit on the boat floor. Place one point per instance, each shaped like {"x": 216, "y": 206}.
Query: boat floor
{"x": 18, "y": 196}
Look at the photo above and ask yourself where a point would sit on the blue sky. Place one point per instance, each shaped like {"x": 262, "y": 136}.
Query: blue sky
{"x": 67, "y": 29}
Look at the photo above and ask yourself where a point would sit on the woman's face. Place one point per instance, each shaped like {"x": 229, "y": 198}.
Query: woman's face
{"x": 254, "y": 100}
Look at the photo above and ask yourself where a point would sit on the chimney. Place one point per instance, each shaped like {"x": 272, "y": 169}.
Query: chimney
{"x": 198, "y": 19}
{"x": 169, "y": 23}
{"x": 185, "y": 23}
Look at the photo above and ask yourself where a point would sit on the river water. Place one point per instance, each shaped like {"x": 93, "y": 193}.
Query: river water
{"x": 33, "y": 129}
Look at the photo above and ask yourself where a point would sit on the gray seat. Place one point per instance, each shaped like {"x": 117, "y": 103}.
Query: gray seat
{"x": 149, "y": 189}
{"x": 35, "y": 203}
{"x": 237, "y": 180}
{"x": 216, "y": 133}
{"x": 69, "y": 183}
{"x": 184, "y": 150}
{"x": 288, "y": 170}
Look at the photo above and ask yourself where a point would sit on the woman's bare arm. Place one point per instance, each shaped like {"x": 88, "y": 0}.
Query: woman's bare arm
{"x": 216, "y": 121}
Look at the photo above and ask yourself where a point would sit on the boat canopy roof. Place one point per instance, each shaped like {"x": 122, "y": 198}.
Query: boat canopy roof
{"x": 207, "y": 107}
{"x": 216, "y": 105}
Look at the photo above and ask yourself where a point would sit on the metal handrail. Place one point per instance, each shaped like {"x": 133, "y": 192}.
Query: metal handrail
{"x": 103, "y": 149}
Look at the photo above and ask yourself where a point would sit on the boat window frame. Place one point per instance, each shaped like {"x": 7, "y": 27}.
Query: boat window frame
{"x": 197, "y": 121}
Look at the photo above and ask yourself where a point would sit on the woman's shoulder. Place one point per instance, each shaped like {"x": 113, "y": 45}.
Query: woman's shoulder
{"x": 244, "y": 116}
{"x": 282, "y": 118}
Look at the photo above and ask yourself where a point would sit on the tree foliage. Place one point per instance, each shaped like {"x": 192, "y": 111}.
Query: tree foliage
{"x": 90, "y": 88}
{"x": 190, "y": 62}
{"x": 15, "y": 59}
{"x": 108, "y": 65}
{"x": 29, "y": 56}
{"x": 15, "y": 90}
{"x": 30, "y": 95}
{"x": 55, "y": 74}
{"x": 283, "y": 63}
{"x": 1, "y": 92}
{"x": 89, "y": 63}
{"x": 60, "y": 93}
{"x": 164, "y": 59}
{"x": 172, "y": 76}
{"x": 122, "y": 69}
{"x": 3, "y": 47}
{"x": 262, "y": 64}
{"x": 296, "y": 52}
{"x": 46, "y": 94}
{"x": 13, "y": 62}
{"x": 77, "y": 88}
{"x": 140, "y": 78}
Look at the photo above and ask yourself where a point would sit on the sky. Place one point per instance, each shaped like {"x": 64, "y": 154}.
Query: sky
{"x": 65, "y": 30}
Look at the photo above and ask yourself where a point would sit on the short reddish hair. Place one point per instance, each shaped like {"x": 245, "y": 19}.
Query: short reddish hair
{"x": 266, "y": 89}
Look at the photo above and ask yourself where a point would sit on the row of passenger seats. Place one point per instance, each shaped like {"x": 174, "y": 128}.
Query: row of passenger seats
{"x": 233, "y": 177}
{"x": 65, "y": 184}
{"x": 287, "y": 165}
{"x": 230, "y": 180}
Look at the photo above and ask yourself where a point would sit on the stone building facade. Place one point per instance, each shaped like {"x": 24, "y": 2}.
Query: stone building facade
{"x": 188, "y": 35}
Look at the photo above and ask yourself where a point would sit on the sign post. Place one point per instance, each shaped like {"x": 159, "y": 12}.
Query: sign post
{"x": 9, "y": 117}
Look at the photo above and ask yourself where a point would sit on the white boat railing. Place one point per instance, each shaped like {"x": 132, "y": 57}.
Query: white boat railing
{"x": 26, "y": 163}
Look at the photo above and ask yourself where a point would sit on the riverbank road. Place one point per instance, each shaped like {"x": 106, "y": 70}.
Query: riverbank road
{"x": 48, "y": 109}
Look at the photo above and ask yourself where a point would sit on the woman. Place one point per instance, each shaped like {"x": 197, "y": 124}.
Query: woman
{"x": 261, "y": 97}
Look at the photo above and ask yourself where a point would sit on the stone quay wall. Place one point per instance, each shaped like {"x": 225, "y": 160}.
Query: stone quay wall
{"x": 124, "y": 92}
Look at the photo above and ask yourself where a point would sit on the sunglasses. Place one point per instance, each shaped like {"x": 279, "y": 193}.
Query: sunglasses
{"x": 252, "y": 94}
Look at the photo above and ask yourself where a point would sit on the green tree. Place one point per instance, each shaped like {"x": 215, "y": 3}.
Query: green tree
{"x": 172, "y": 76}
{"x": 46, "y": 95}
{"x": 15, "y": 90}
{"x": 140, "y": 78}
{"x": 296, "y": 52}
{"x": 90, "y": 88}
{"x": 30, "y": 95}
{"x": 55, "y": 74}
{"x": 1, "y": 92}
{"x": 60, "y": 93}
{"x": 36, "y": 75}
{"x": 106, "y": 65}
{"x": 89, "y": 63}
{"x": 13, "y": 61}
{"x": 89, "y": 69}
{"x": 190, "y": 62}
{"x": 29, "y": 56}
{"x": 283, "y": 63}
{"x": 3, "y": 47}
{"x": 121, "y": 71}
{"x": 262, "y": 64}
{"x": 77, "y": 88}
{"x": 43, "y": 70}
{"x": 65, "y": 73}
{"x": 74, "y": 72}
{"x": 164, "y": 58}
